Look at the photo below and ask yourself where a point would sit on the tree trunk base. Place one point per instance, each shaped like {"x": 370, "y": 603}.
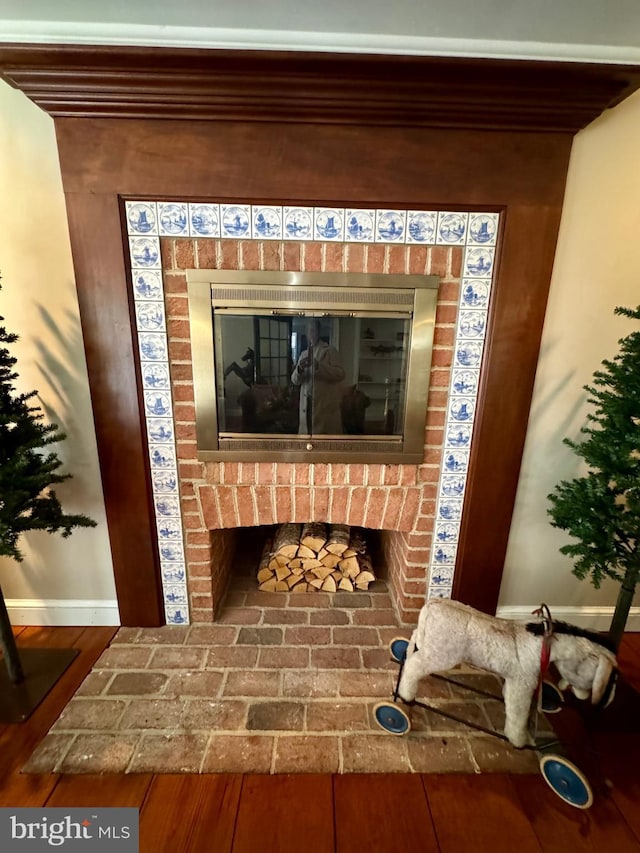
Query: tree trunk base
{"x": 42, "y": 669}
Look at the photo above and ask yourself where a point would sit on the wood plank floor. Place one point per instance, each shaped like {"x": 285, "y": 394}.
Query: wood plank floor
{"x": 382, "y": 813}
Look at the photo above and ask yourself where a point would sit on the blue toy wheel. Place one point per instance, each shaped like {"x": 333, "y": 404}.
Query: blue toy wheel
{"x": 566, "y": 780}
{"x": 551, "y": 699}
{"x": 391, "y": 718}
{"x": 398, "y": 648}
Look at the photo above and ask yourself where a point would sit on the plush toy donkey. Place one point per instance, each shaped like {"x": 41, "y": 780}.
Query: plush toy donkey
{"x": 450, "y": 633}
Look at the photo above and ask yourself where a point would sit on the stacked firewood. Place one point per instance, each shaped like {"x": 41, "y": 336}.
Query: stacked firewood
{"x": 315, "y": 556}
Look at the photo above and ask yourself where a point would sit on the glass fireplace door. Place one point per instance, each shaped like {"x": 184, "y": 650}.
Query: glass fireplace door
{"x": 314, "y": 374}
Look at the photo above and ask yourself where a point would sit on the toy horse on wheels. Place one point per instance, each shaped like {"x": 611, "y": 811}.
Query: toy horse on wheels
{"x": 450, "y": 633}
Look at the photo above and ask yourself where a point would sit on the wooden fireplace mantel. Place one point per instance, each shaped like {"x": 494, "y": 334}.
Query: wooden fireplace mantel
{"x": 223, "y": 85}
{"x": 365, "y": 131}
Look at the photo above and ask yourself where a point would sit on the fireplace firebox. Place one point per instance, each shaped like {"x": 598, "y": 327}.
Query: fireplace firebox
{"x": 314, "y": 367}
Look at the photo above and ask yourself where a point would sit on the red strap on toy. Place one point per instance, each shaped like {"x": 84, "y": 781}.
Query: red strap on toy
{"x": 545, "y": 650}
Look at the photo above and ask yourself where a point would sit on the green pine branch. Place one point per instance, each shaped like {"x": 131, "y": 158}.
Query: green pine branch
{"x": 601, "y": 510}
{"x": 28, "y": 468}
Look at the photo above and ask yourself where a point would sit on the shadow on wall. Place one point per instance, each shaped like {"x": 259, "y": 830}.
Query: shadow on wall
{"x": 64, "y": 400}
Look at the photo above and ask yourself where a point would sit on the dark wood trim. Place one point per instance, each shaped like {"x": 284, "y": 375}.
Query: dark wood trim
{"x": 521, "y": 174}
{"x": 98, "y": 255}
{"x": 325, "y": 88}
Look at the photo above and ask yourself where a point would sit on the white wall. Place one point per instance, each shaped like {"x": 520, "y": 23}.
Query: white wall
{"x": 596, "y": 269}
{"x": 62, "y": 581}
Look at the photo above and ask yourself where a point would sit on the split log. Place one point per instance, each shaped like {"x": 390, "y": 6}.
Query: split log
{"x": 330, "y": 560}
{"x": 338, "y": 539}
{"x": 328, "y": 584}
{"x": 305, "y": 552}
{"x": 314, "y": 535}
{"x": 287, "y": 540}
{"x": 350, "y": 567}
{"x": 364, "y": 579}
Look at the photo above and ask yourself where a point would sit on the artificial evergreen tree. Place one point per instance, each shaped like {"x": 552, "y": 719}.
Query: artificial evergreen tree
{"x": 28, "y": 470}
{"x": 601, "y": 510}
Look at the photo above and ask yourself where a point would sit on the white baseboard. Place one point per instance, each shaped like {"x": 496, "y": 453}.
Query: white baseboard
{"x": 593, "y": 618}
{"x": 62, "y": 611}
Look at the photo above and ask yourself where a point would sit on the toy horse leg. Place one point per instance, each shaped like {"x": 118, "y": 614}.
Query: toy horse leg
{"x": 517, "y": 706}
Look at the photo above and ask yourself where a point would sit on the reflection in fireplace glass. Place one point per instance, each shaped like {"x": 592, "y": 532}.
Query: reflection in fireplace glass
{"x": 312, "y": 375}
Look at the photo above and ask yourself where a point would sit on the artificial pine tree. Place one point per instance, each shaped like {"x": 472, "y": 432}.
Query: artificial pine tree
{"x": 602, "y": 509}
{"x": 27, "y": 473}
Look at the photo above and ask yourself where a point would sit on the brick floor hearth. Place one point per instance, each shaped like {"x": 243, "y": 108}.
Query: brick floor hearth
{"x": 280, "y": 683}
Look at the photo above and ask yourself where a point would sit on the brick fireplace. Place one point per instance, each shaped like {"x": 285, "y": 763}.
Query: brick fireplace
{"x": 220, "y": 498}
{"x": 372, "y": 132}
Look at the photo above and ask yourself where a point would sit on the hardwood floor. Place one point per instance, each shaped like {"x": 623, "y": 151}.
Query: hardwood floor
{"x": 349, "y": 813}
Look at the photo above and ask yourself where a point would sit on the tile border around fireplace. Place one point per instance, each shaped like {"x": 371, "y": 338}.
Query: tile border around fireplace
{"x": 147, "y": 221}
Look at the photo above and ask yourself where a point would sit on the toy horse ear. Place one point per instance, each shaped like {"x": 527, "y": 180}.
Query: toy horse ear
{"x": 601, "y": 679}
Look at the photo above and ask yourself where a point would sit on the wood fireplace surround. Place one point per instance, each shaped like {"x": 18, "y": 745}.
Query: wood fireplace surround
{"x": 315, "y": 129}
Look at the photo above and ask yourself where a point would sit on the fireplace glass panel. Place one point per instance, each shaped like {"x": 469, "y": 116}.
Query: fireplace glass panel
{"x": 311, "y": 366}
{"x": 313, "y": 374}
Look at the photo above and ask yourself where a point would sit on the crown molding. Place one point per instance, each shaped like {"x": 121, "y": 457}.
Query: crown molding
{"x": 244, "y": 38}
{"x": 316, "y": 88}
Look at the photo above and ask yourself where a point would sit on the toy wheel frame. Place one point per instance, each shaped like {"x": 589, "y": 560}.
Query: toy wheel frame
{"x": 566, "y": 781}
{"x": 391, "y": 718}
{"x": 394, "y": 649}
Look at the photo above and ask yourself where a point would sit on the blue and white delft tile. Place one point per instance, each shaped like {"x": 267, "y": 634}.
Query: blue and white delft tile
{"x": 164, "y": 482}
{"x": 147, "y": 284}
{"x": 458, "y": 435}
{"x": 155, "y": 376}
{"x": 359, "y": 226}
{"x": 462, "y": 409}
{"x": 145, "y": 252}
{"x": 298, "y": 223}
{"x": 446, "y": 533}
{"x": 167, "y": 505}
{"x": 452, "y": 486}
{"x": 171, "y": 552}
{"x": 160, "y": 430}
{"x": 204, "y": 220}
{"x": 173, "y": 219}
{"x": 479, "y": 262}
{"x": 173, "y": 572}
{"x": 483, "y": 228}
{"x": 236, "y": 220}
{"x": 150, "y": 316}
{"x": 142, "y": 217}
{"x": 452, "y": 229}
{"x": 175, "y": 594}
{"x": 390, "y": 226}
{"x": 152, "y": 347}
{"x": 421, "y": 226}
{"x": 475, "y": 293}
{"x": 450, "y": 509}
{"x": 176, "y": 614}
{"x": 157, "y": 403}
{"x": 465, "y": 382}
{"x": 472, "y": 324}
{"x": 440, "y": 591}
{"x": 328, "y": 224}
{"x": 170, "y": 529}
{"x": 443, "y": 564}
{"x": 267, "y": 223}
{"x": 162, "y": 456}
{"x": 468, "y": 354}
{"x": 456, "y": 461}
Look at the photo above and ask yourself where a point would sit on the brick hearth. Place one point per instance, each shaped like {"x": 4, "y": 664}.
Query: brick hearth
{"x": 282, "y": 683}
